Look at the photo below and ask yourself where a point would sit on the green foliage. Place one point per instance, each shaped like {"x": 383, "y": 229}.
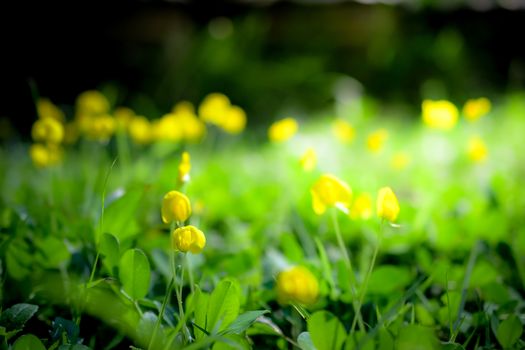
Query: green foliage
{"x": 134, "y": 273}
{"x": 17, "y": 315}
{"x": 509, "y": 331}
{"x": 326, "y": 331}
{"x": 28, "y": 342}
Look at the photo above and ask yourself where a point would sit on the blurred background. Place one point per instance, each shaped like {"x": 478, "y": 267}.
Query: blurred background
{"x": 268, "y": 56}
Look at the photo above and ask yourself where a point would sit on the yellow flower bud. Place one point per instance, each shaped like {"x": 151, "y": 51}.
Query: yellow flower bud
{"x": 343, "y": 130}
{"x": 329, "y": 191}
{"x": 48, "y": 130}
{"x": 188, "y": 238}
{"x": 362, "y": 207}
{"x": 387, "y": 204}
{"x": 376, "y": 140}
{"x": 440, "y": 114}
{"x": 184, "y": 167}
{"x": 297, "y": 284}
{"x": 100, "y": 127}
{"x": 123, "y": 116}
{"x": 47, "y": 109}
{"x": 213, "y": 108}
{"x": 140, "y": 130}
{"x": 234, "y": 120}
{"x": 92, "y": 102}
{"x": 477, "y": 150}
{"x": 45, "y": 155}
{"x": 175, "y": 207}
{"x": 282, "y": 130}
{"x": 309, "y": 160}
{"x": 476, "y": 108}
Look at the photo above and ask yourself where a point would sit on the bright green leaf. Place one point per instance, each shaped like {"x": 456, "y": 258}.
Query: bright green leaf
{"x": 134, "y": 273}
{"x": 386, "y": 279}
{"x": 509, "y": 331}
{"x": 28, "y": 342}
{"x": 223, "y": 306}
{"x": 416, "y": 337}
{"x": 326, "y": 331}
{"x": 110, "y": 249}
{"x": 305, "y": 341}
{"x": 119, "y": 215}
{"x": 244, "y": 321}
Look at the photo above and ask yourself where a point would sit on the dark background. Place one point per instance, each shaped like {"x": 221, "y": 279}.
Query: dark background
{"x": 149, "y": 55}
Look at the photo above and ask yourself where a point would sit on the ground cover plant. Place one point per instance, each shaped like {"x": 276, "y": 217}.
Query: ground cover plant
{"x": 196, "y": 230}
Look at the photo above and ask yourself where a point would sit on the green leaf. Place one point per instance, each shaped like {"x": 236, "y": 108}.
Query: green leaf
{"x": 244, "y": 321}
{"x": 18, "y": 259}
{"x": 223, "y": 306}
{"x": 28, "y": 342}
{"x": 291, "y": 247}
{"x": 145, "y": 330}
{"x": 52, "y": 252}
{"x": 62, "y": 326}
{"x": 201, "y": 301}
{"x": 231, "y": 341}
{"x": 109, "y": 247}
{"x": 355, "y": 343}
{"x": 326, "y": 331}
{"x": 134, "y": 273}
{"x": 509, "y": 331}
{"x": 416, "y": 337}
{"x": 305, "y": 341}
{"x": 386, "y": 279}
{"x": 17, "y": 315}
{"x": 73, "y": 347}
{"x": 119, "y": 215}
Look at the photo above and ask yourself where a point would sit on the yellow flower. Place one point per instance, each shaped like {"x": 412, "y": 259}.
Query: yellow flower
{"x": 387, "y": 204}
{"x": 100, "y": 127}
{"x": 47, "y": 109}
{"x": 48, "y": 130}
{"x": 188, "y": 238}
{"x": 175, "y": 207}
{"x": 476, "y": 108}
{"x": 477, "y": 150}
{"x": 297, "y": 284}
{"x": 234, "y": 120}
{"x": 343, "y": 130}
{"x": 123, "y": 116}
{"x": 282, "y": 130}
{"x": 183, "y": 107}
{"x": 309, "y": 160}
{"x": 329, "y": 191}
{"x": 184, "y": 167}
{"x": 140, "y": 130}
{"x": 399, "y": 161}
{"x": 45, "y": 155}
{"x": 362, "y": 207}
{"x": 192, "y": 129}
{"x": 213, "y": 108}
{"x": 92, "y": 102}
{"x": 376, "y": 140}
{"x": 440, "y": 114}
{"x": 167, "y": 128}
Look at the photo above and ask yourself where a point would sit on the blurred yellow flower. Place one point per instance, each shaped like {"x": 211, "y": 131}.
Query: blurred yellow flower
{"x": 183, "y": 107}
{"x": 175, "y": 207}
{"x": 329, "y": 191}
{"x": 100, "y": 127}
{"x": 92, "y": 102}
{"x": 140, "y": 130}
{"x": 476, "y": 108}
{"x": 48, "y": 130}
{"x": 282, "y": 130}
{"x": 439, "y": 114}
{"x": 387, "y": 204}
{"x": 184, "y": 167}
{"x": 188, "y": 238}
{"x": 362, "y": 207}
{"x": 234, "y": 120}
{"x": 343, "y": 130}
{"x": 297, "y": 284}
{"x": 47, "y": 109}
{"x": 400, "y": 160}
{"x": 45, "y": 155}
{"x": 167, "y": 128}
{"x": 308, "y": 160}
{"x": 213, "y": 108}
{"x": 376, "y": 140}
{"x": 192, "y": 128}
{"x": 477, "y": 150}
{"x": 123, "y": 116}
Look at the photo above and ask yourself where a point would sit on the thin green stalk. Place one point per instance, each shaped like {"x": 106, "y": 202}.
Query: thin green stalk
{"x": 162, "y": 309}
{"x": 190, "y": 274}
{"x": 350, "y": 270}
{"x": 362, "y": 292}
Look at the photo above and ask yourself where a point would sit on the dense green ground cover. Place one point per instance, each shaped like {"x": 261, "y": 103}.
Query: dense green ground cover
{"x": 85, "y": 256}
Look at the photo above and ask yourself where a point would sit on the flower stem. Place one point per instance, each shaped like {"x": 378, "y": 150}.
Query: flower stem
{"x": 162, "y": 309}
{"x": 349, "y": 268}
{"x": 362, "y": 292}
